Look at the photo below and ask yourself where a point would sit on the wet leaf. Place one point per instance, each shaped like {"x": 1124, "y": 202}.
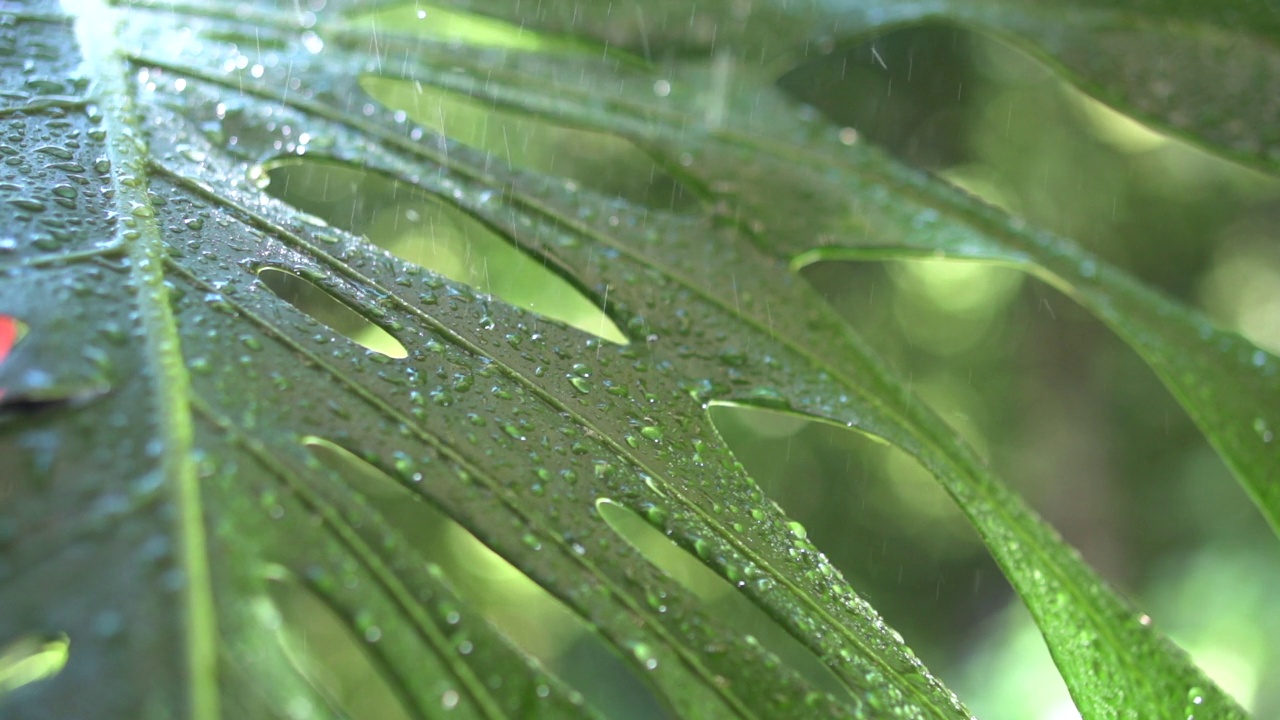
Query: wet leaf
{"x": 219, "y": 330}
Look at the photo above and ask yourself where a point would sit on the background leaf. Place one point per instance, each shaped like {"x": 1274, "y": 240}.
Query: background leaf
{"x": 1182, "y": 65}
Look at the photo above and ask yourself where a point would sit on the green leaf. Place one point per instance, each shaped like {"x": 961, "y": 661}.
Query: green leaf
{"x": 179, "y": 393}
{"x": 1178, "y": 64}
{"x": 1182, "y": 66}
{"x": 161, "y": 406}
{"x": 815, "y": 198}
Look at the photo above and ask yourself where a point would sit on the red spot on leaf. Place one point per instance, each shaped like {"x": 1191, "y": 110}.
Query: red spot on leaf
{"x": 8, "y": 338}
{"x": 8, "y": 335}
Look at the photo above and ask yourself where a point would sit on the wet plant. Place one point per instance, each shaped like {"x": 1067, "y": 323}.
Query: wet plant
{"x": 253, "y": 334}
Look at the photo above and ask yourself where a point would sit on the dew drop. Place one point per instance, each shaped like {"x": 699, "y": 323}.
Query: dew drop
{"x": 644, "y": 654}
{"x": 1263, "y": 429}
{"x": 733, "y": 357}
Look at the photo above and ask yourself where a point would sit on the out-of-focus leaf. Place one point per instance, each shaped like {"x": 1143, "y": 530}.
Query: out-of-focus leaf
{"x": 1209, "y": 71}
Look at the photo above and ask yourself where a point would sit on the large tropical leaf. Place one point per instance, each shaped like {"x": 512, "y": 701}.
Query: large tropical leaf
{"x": 163, "y": 411}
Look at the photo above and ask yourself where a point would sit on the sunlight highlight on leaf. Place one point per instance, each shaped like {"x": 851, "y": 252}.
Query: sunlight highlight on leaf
{"x": 948, "y": 307}
{"x": 427, "y": 231}
{"x": 31, "y": 659}
{"x": 331, "y": 652}
{"x": 1242, "y": 288}
{"x": 330, "y": 312}
{"x": 1120, "y": 130}
{"x": 441, "y": 23}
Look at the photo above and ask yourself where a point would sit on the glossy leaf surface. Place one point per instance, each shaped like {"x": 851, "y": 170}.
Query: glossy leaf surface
{"x": 160, "y": 408}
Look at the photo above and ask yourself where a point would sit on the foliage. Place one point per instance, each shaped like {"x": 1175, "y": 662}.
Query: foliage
{"x": 227, "y": 401}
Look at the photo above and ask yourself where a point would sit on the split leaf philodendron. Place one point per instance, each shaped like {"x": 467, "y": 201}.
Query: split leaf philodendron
{"x": 245, "y": 321}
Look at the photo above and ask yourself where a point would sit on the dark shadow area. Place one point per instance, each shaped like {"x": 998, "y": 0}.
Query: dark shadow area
{"x": 904, "y": 91}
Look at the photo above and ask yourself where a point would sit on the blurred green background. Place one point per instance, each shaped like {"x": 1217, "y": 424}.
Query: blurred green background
{"x": 1059, "y": 406}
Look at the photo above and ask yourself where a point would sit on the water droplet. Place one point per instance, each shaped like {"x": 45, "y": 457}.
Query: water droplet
{"x": 644, "y": 654}
{"x": 1195, "y": 698}
{"x": 770, "y": 398}
{"x": 1263, "y": 429}
{"x": 29, "y": 204}
{"x": 733, "y": 357}
{"x": 58, "y": 152}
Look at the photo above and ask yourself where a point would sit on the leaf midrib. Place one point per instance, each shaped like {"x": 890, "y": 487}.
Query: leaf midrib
{"x": 104, "y": 62}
